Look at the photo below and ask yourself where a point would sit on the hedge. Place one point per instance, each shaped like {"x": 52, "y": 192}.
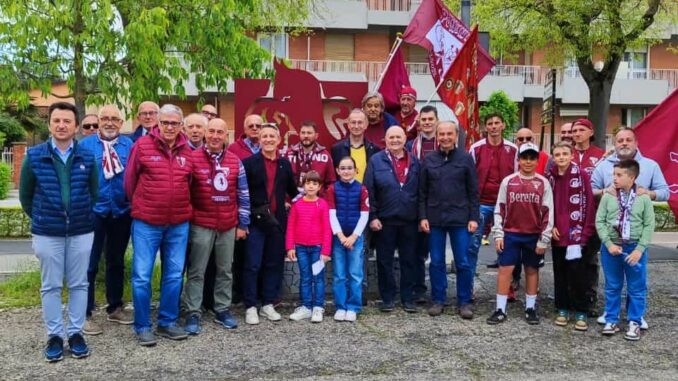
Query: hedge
{"x": 5, "y": 179}
{"x": 14, "y": 222}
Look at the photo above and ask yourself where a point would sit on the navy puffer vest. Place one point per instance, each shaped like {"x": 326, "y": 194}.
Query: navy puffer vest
{"x": 347, "y": 202}
{"x": 49, "y": 217}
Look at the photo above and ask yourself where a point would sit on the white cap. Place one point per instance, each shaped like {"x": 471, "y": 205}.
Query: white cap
{"x": 528, "y": 147}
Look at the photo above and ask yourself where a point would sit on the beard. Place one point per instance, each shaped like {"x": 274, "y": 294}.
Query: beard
{"x": 625, "y": 152}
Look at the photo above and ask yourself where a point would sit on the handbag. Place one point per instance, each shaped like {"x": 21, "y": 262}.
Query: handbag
{"x": 263, "y": 218}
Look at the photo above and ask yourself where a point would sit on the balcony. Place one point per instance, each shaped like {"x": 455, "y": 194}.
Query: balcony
{"x": 389, "y": 5}
{"x": 634, "y": 86}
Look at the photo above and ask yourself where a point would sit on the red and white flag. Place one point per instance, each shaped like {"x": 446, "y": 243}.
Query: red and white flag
{"x": 657, "y": 136}
{"x": 437, "y": 30}
{"x": 459, "y": 90}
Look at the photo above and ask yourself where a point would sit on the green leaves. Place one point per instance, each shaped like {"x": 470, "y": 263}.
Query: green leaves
{"x": 500, "y": 103}
{"x": 133, "y": 50}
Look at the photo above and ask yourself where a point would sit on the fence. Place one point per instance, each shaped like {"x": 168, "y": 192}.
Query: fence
{"x": 8, "y": 158}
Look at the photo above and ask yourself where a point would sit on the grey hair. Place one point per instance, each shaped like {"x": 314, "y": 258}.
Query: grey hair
{"x": 203, "y": 119}
{"x": 452, "y": 122}
{"x": 358, "y": 111}
{"x": 168, "y": 109}
{"x": 370, "y": 95}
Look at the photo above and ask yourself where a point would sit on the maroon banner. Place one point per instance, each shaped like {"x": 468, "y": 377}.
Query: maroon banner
{"x": 459, "y": 90}
{"x": 298, "y": 95}
{"x": 657, "y": 136}
{"x": 437, "y": 30}
{"x": 395, "y": 77}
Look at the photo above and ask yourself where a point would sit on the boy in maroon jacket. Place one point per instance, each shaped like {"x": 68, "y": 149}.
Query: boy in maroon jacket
{"x": 523, "y": 220}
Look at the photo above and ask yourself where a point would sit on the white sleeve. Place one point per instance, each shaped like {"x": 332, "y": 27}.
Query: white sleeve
{"x": 334, "y": 222}
{"x": 362, "y": 223}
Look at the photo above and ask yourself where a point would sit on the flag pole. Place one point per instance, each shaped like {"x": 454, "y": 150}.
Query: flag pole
{"x": 394, "y": 48}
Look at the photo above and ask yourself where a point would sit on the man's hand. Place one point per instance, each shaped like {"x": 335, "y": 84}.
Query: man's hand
{"x": 499, "y": 244}
{"x": 292, "y": 255}
{"x": 614, "y": 249}
{"x": 472, "y": 226}
{"x": 634, "y": 257}
{"x": 376, "y": 225}
{"x": 540, "y": 250}
{"x": 611, "y": 190}
{"x": 240, "y": 233}
{"x": 424, "y": 226}
{"x": 556, "y": 234}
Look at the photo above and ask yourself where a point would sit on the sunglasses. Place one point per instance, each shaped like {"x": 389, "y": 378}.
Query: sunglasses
{"x": 89, "y": 126}
{"x": 254, "y": 125}
{"x": 524, "y": 139}
{"x": 210, "y": 114}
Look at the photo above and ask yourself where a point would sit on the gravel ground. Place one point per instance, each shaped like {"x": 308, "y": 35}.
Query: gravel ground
{"x": 395, "y": 346}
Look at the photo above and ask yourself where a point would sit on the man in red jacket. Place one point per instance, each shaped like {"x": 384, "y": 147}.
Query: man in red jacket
{"x": 248, "y": 143}
{"x": 308, "y": 155}
{"x": 221, "y": 214}
{"x": 495, "y": 158}
{"x": 157, "y": 183}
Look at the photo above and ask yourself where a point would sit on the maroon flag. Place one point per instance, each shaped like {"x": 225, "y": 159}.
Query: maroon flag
{"x": 657, "y": 136}
{"x": 437, "y": 30}
{"x": 393, "y": 79}
{"x": 459, "y": 90}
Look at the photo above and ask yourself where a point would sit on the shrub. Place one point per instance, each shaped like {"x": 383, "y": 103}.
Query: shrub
{"x": 664, "y": 218}
{"x": 14, "y": 223}
{"x": 500, "y": 103}
{"x": 5, "y": 179}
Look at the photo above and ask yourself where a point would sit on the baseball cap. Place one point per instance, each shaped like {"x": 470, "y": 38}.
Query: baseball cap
{"x": 407, "y": 90}
{"x": 583, "y": 122}
{"x": 528, "y": 147}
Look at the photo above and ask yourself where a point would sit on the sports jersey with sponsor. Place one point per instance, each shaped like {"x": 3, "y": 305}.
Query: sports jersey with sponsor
{"x": 524, "y": 205}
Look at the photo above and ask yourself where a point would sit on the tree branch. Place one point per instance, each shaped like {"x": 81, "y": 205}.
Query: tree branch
{"x": 645, "y": 21}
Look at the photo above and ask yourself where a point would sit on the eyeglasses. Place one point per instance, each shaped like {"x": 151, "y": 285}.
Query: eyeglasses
{"x": 107, "y": 119}
{"x": 147, "y": 113}
{"x": 170, "y": 123}
{"x": 524, "y": 138}
{"x": 209, "y": 114}
{"x": 89, "y": 126}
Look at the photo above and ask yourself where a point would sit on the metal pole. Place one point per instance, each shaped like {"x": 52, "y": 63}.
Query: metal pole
{"x": 466, "y": 12}
{"x": 394, "y": 48}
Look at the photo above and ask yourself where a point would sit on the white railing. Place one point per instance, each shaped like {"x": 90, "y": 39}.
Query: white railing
{"x": 8, "y": 158}
{"x": 532, "y": 75}
{"x": 609, "y": 140}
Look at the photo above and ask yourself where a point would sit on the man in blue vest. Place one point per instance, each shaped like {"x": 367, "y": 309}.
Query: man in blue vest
{"x": 112, "y": 221}
{"x": 58, "y": 188}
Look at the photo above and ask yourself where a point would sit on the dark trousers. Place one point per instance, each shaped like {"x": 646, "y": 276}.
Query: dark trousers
{"x": 111, "y": 235}
{"x": 570, "y": 280}
{"x": 238, "y": 268}
{"x": 590, "y": 252}
{"x": 388, "y": 239}
{"x": 265, "y": 254}
{"x": 422, "y": 251}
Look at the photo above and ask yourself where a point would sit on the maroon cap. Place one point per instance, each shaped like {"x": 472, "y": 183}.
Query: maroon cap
{"x": 407, "y": 90}
{"x": 583, "y": 122}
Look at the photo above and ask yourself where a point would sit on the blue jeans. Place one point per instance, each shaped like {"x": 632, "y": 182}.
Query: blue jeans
{"x": 459, "y": 240}
{"x": 311, "y": 287}
{"x": 486, "y": 214}
{"x": 615, "y": 269}
{"x": 348, "y": 293}
{"x": 111, "y": 236}
{"x": 59, "y": 257}
{"x": 146, "y": 240}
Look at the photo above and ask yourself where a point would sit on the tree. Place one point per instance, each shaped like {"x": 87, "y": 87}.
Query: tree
{"x": 501, "y": 104}
{"x": 128, "y": 51}
{"x": 11, "y": 129}
{"x": 581, "y": 29}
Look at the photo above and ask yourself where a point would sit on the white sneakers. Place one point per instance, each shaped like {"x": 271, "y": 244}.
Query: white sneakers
{"x": 643, "y": 323}
{"x": 318, "y": 313}
{"x": 301, "y": 313}
{"x": 340, "y": 315}
{"x": 269, "y": 312}
{"x": 251, "y": 316}
{"x": 633, "y": 332}
{"x": 350, "y": 316}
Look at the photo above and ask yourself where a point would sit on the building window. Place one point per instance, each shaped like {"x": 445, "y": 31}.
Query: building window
{"x": 636, "y": 62}
{"x": 276, "y": 44}
{"x": 631, "y": 116}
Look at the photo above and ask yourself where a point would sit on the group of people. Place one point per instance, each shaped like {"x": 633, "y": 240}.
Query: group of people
{"x": 224, "y": 216}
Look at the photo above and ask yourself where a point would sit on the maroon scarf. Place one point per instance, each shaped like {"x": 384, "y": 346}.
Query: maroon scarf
{"x": 577, "y": 201}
